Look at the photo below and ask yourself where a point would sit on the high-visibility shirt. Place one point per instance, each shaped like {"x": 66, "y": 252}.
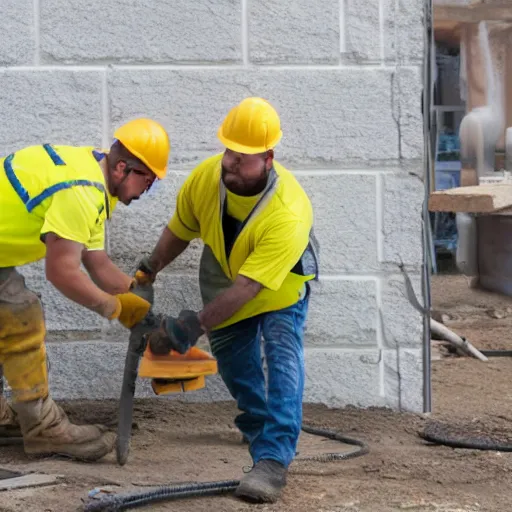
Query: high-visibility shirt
{"x": 265, "y": 238}
{"x": 58, "y": 189}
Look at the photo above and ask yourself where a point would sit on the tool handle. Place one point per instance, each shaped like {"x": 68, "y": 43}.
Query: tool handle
{"x": 136, "y": 347}
{"x": 124, "y": 426}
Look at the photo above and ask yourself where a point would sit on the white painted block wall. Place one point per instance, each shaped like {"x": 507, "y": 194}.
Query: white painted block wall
{"x": 345, "y": 77}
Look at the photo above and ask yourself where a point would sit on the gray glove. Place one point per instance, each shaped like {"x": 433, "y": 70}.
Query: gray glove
{"x": 179, "y": 334}
{"x": 143, "y": 281}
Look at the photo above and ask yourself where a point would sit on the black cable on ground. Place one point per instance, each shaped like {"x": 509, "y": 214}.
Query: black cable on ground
{"x": 138, "y": 499}
{"x": 457, "y": 437}
{"x": 200, "y": 489}
{"x": 497, "y": 353}
{"x": 335, "y": 436}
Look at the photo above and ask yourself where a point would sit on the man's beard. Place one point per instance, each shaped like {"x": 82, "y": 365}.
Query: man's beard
{"x": 245, "y": 189}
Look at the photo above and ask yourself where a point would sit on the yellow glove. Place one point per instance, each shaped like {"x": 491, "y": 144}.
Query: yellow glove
{"x": 142, "y": 278}
{"x": 145, "y": 274}
{"x": 130, "y": 309}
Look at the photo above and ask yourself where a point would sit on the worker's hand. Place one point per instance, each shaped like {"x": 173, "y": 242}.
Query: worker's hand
{"x": 144, "y": 291}
{"x": 145, "y": 274}
{"x": 179, "y": 334}
{"x": 131, "y": 309}
{"x": 142, "y": 284}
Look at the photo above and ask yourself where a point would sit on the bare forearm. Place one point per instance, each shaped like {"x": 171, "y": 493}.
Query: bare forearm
{"x": 76, "y": 286}
{"x": 167, "y": 249}
{"x": 63, "y": 271}
{"x": 225, "y": 305}
{"x": 106, "y": 274}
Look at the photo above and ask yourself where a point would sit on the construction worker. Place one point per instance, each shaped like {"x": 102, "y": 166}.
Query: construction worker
{"x": 54, "y": 201}
{"x": 256, "y": 224}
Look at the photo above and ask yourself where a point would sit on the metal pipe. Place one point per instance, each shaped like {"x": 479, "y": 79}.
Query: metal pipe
{"x": 427, "y": 155}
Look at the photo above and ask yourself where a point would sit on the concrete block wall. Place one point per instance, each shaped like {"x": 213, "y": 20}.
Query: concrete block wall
{"x": 345, "y": 76}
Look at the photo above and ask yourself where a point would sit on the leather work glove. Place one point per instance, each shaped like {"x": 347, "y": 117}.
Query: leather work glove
{"x": 145, "y": 291}
{"x": 179, "y": 334}
{"x": 131, "y": 309}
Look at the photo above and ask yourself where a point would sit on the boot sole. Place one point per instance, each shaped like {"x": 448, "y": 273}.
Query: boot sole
{"x": 36, "y": 453}
{"x": 89, "y": 453}
{"x": 257, "y": 495}
{"x": 11, "y": 441}
{"x": 8, "y": 431}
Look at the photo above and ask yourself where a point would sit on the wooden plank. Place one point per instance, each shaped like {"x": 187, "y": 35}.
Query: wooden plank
{"x": 475, "y": 68}
{"x": 448, "y": 32}
{"x": 475, "y": 199}
{"x": 497, "y": 11}
{"x": 31, "y": 480}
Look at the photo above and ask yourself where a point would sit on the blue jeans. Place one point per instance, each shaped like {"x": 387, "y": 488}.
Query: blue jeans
{"x": 271, "y": 411}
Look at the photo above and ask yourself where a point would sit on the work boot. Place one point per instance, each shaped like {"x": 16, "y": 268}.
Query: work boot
{"x": 264, "y": 483}
{"x": 47, "y": 431}
{"x": 9, "y": 425}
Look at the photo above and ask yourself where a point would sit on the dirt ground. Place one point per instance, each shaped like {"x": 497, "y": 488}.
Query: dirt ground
{"x": 176, "y": 442}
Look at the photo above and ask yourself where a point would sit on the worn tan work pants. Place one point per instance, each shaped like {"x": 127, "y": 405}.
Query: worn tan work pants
{"x": 22, "y": 332}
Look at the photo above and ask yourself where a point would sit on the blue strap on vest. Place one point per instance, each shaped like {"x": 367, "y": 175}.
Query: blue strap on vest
{"x": 31, "y": 203}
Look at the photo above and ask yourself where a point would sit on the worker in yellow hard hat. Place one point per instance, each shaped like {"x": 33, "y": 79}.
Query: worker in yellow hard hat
{"x": 259, "y": 253}
{"x": 54, "y": 201}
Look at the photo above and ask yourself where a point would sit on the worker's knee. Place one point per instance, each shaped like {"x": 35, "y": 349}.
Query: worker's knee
{"x": 13, "y": 289}
{"x": 22, "y": 332}
{"x": 27, "y": 374}
{"x": 21, "y": 317}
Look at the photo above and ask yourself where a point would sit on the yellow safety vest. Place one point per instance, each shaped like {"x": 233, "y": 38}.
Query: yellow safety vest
{"x": 59, "y": 189}
{"x": 273, "y": 245}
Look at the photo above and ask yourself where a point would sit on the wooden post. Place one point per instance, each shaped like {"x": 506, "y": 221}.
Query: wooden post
{"x": 476, "y": 88}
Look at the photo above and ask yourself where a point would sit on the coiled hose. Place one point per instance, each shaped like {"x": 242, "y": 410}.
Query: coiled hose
{"x": 200, "y": 489}
{"x": 460, "y": 437}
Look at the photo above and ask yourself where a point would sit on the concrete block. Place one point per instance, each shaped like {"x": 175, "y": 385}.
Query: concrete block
{"x": 94, "y": 370}
{"x": 362, "y": 30}
{"x": 299, "y": 32}
{"x": 342, "y": 313}
{"x": 402, "y": 206}
{"x": 176, "y": 292}
{"x": 135, "y": 229}
{"x": 315, "y": 110}
{"x": 402, "y": 324}
{"x": 61, "y": 314}
{"x": 407, "y": 99}
{"x": 173, "y": 292}
{"x": 345, "y": 221}
{"x": 138, "y": 32}
{"x": 403, "y": 30}
{"x": 338, "y": 377}
{"x": 17, "y": 43}
{"x": 403, "y": 379}
{"x": 60, "y": 107}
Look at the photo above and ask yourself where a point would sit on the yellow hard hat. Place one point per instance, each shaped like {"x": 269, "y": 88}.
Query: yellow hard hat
{"x": 148, "y": 141}
{"x": 251, "y": 127}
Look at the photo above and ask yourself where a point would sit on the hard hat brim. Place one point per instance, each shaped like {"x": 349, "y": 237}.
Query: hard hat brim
{"x": 247, "y": 150}
{"x": 159, "y": 173}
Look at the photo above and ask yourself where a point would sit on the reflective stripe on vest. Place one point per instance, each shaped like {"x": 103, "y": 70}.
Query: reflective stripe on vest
{"x": 31, "y": 203}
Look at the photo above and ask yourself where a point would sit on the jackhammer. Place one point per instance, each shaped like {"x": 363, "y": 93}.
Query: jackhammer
{"x": 137, "y": 348}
